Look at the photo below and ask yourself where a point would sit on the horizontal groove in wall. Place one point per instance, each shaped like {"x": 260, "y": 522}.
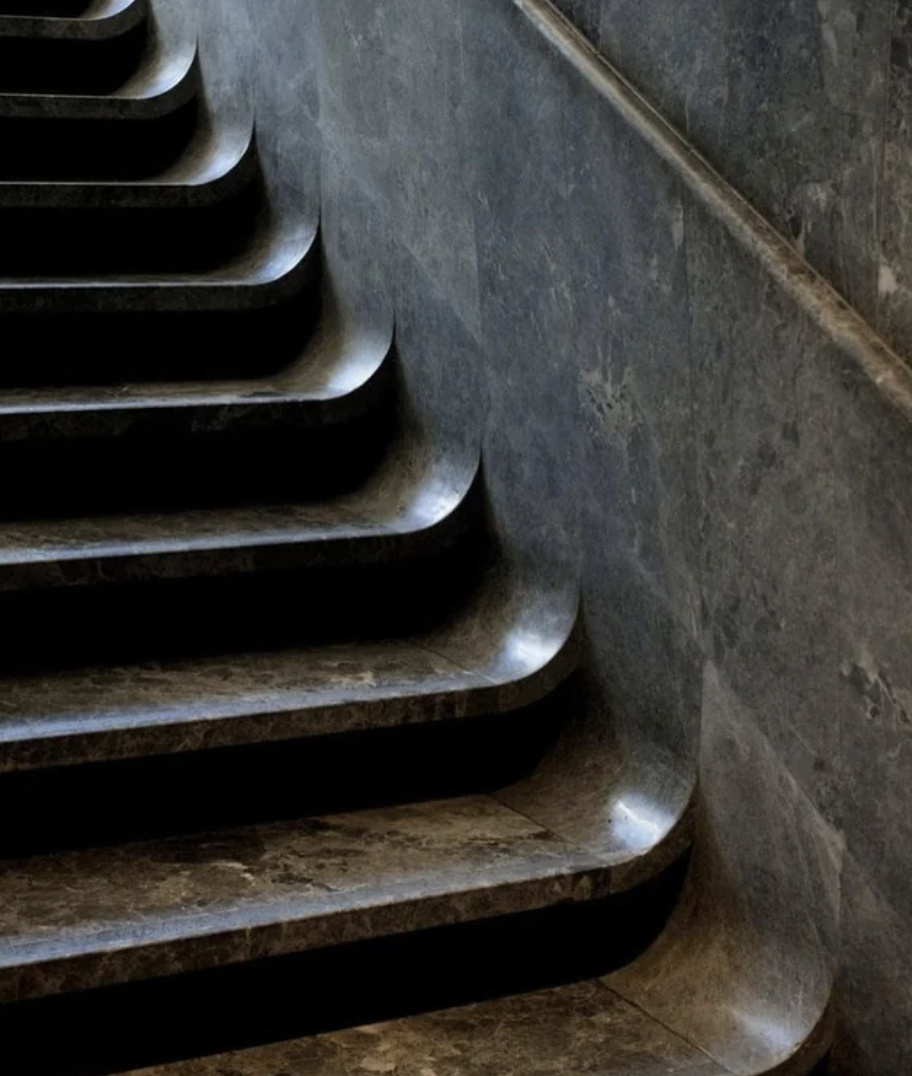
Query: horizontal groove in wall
{"x": 812, "y": 292}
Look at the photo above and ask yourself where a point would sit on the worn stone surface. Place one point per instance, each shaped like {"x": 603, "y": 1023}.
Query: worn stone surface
{"x": 585, "y": 1027}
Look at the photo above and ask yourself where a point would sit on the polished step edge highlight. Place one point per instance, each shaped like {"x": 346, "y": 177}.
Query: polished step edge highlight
{"x": 405, "y": 510}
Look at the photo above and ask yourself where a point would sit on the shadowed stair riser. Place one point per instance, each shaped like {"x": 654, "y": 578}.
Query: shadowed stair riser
{"x": 76, "y": 350}
{"x": 293, "y": 462}
{"x": 49, "y": 8}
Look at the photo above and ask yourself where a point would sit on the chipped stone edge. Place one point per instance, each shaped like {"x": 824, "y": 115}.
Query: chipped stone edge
{"x": 819, "y": 300}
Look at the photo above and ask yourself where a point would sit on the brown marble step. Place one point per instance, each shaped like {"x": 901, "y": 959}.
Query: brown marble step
{"x": 506, "y": 650}
{"x": 88, "y": 21}
{"x": 197, "y": 214}
{"x": 114, "y": 915}
{"x": 580, "y": 1028}
{"x": 279, "y": 261}
{"x": 215, "y": 164}
{"x": 163, "y": 83}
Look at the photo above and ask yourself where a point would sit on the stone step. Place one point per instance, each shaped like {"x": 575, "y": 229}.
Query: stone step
{"x": 195, "y": 215}
{"x": 137, "y": 131}
{"x": 394, "y": 516}
{"x": 94, "y": 52}
{"x": 580, "y": 1028}
{"x": 504, "y": 652}
{"x": 320, "y": 427}
{"x": 46, "y": 8}
{"x": 82, "y": 20}
{"x": 95, "y": 917}
{"x": 168, "y": 325}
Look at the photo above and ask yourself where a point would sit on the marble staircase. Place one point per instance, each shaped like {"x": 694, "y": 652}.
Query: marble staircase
{"x": 267, "y": 686}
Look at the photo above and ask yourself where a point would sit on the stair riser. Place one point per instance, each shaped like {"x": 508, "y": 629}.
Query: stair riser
{"x": 29, "y": 65}
{"x": 251, "y": 609}
{"x": 83, "y": 243}
{"x": 48, "y": 148}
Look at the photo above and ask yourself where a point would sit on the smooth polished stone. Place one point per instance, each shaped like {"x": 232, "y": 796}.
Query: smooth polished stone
{"x": 582, "y": 1028}
{"x": 114, "y": 915}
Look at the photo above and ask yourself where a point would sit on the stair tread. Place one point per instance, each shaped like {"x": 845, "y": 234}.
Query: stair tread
{"x": 280, "y": 259}
{"x": 336, "y": 362}
{"x": 102, "y": 916}
{"x": 390, "y": 506}
{"x": 162, "y": 83}
{"x": 103, "y": 19}
{"x": 580, "y": 1028}
{"x": 478, "y": 662}
{"x": 216, "y": 162}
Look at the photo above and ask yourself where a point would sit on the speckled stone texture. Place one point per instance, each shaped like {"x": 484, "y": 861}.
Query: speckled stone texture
{"x": 584, "y": 1026}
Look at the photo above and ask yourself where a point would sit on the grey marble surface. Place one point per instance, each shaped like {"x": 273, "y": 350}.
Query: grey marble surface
{"x": 584, "y": 1028}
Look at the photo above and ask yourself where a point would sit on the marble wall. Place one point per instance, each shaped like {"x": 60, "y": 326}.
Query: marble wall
{"x": 804, "y": 107}
{"x": 662, "y": 421}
